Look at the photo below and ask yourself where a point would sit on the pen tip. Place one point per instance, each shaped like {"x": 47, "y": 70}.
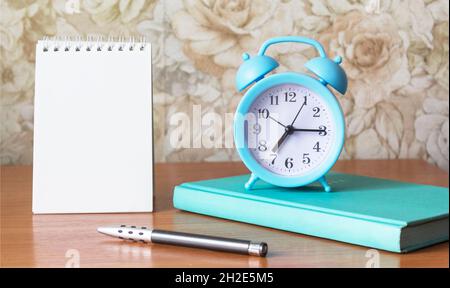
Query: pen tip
{"x": 101, "y": 230}
{"x": 106, "y": 230}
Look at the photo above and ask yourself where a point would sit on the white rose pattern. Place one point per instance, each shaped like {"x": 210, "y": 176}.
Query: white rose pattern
{"x": 395, "y": 54}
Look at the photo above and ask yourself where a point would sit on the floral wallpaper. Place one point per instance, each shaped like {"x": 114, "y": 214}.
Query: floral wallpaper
{"x": 396, "y": 54}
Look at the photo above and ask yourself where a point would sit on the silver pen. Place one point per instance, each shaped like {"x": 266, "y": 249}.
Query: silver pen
{"x": 145, "y": 235}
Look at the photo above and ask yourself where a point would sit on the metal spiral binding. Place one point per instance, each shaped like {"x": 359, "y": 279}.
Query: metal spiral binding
{"x": 93, "y": 43}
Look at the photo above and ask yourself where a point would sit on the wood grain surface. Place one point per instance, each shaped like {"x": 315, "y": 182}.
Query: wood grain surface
{"x": 29, "y": 240}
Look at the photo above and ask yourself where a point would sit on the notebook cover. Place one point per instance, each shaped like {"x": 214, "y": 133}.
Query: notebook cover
{"x": 92, "y": 128}
{"x": 360, "y": 210}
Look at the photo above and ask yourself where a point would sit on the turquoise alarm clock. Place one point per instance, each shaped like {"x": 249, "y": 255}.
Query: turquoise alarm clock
{"x": 289, "y": 127}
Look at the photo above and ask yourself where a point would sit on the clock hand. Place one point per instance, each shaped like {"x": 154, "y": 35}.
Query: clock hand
{"x": 289, "y": 130}
{"x": 308, "y": 130}
{"x": 277, "y": 121}
{"x": 298, "y": 113}
{"x": 279, "y": 142}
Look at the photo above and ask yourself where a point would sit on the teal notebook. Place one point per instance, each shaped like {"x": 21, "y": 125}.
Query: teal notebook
{"x": 378, "y": 213}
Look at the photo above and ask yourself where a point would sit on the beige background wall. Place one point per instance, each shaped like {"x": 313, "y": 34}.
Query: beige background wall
{"x": 395, "y": 53}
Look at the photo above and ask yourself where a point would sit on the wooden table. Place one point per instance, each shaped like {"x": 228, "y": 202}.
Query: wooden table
{"x": 69, "y": 240}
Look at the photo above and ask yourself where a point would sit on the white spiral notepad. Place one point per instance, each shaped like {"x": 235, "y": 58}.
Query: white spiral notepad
{"x": 93, "y": 127}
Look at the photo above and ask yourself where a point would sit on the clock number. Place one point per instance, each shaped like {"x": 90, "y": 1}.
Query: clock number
{"x": 256, "y": 129}
{"x": 262, "y": 146}
{"x": 273, "y": 100}
{"x": 274, "y": 158}
{"x": 263, "y": 113}
{"x": 290, "y": 97}
{"x": 323, "y": 131}
{"x": 289, "y": 163}
{"x": 305, "y": 101}
{"x": 317, "y": 147}
{"x": 306, "y": 159}
{"x": 316, "y": 111}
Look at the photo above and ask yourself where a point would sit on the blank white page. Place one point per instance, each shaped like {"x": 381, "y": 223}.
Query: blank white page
{"x": 92, "y": 128}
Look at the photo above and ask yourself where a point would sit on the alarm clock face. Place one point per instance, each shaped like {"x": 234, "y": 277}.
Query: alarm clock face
{"x": 290, "y": 130}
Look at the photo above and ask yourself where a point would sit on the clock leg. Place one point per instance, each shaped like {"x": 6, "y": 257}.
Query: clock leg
{"x": 324, "y": 183}
{"x": 251, "y": 182}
